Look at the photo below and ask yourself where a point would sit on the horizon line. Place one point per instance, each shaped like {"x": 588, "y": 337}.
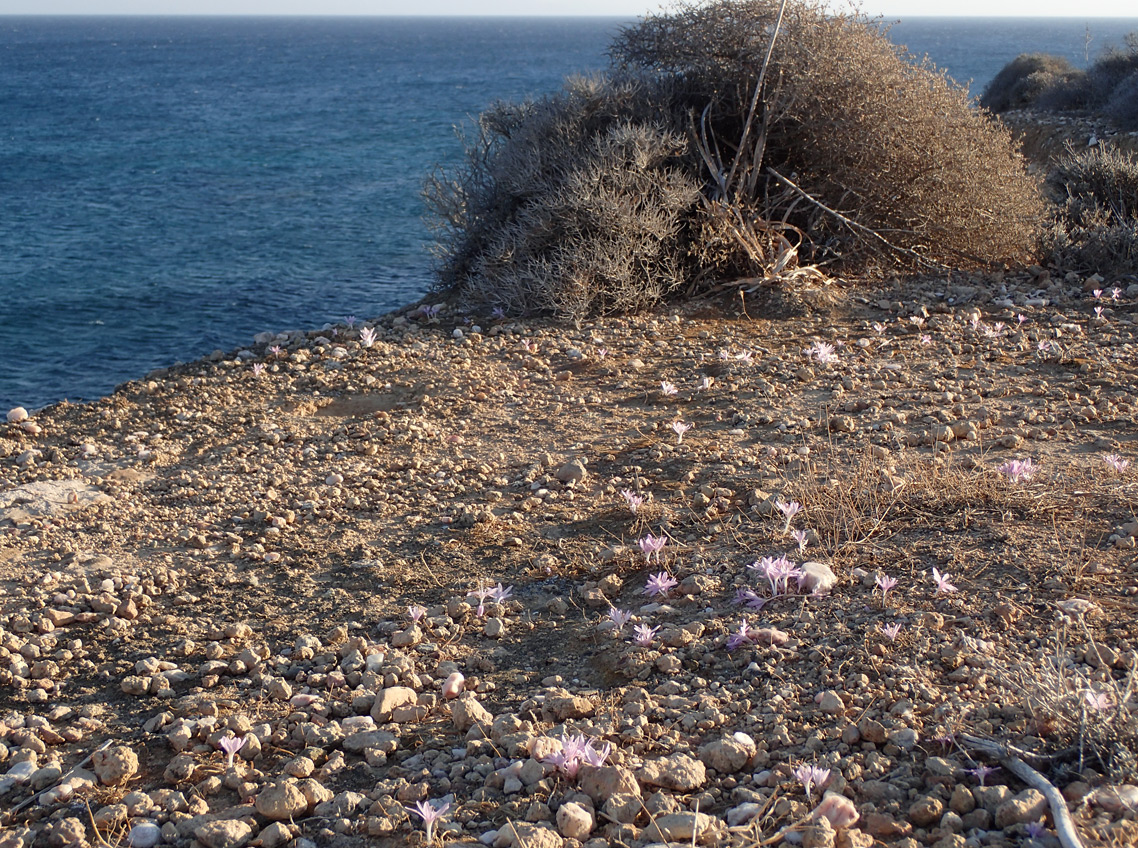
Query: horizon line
{"x": 499, "y": 15}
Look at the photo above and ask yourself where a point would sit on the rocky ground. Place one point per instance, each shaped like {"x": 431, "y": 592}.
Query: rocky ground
{"x": 385, "y": 572}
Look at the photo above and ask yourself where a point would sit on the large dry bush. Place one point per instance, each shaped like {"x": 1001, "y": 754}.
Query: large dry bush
{"x": 1096, "y": 225}
{"x": 573, "y": 204}
{"x": 729, "y": 140}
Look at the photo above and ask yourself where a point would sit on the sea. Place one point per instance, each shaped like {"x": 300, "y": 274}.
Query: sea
{"x": 174, "y": 185}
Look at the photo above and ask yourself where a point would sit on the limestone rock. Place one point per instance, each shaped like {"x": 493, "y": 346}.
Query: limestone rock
{"x": 115, "y": 766}
{"x": 677, "y": 772}
{"x": 227, "y": 833}
{"x": 281, "y": 801}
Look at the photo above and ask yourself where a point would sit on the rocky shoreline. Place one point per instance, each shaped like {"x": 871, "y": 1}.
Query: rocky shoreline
{"x": 552, "y": 579}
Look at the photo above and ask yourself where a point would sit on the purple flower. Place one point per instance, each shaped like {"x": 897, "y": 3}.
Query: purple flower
{"x": 231, "y": 745}
{"x": 258, "y": 369}
{"x": 1115, "y": 293}
{"x": 667, "y": 388}
{"x": 275, "y": 350}
{"x": 430, "y": 815}
{"x": 750, "y": 598}
{"x": 652, "y": 545}
{"x": 416, "y": 612}
{"x": 634, "y": 500}
{"x": 1098, "y": 311}
{"x": 1116, "y": 462}
{"x": 367, "y": 336}
{"x": 788, "y": 510}
{"x": 981, "y": 772}
{"x": 680, "y": 428}
{"x": 706, "y": 383}
{"x": 350, "y": 321}
{"x": 891, "y": 630}
{"x": 801, "y": 537}
{"x": 740, "y": 637}
{"x": 778, "y": 571}
{"x": 885, "y": 583}
{"x": 576, "y": 750}
{"x": 1018, "y": 470}
{"x": 643, "y": 635}
{"x": 499, "y": 594}
{"x": 822, "y": 352}
{"x": 811, "y": 776}
{"x": 1035, "y": 829}
{"x": 498, "y": 313}
{"x": 619, "y": 617}
{"x": 660, "y": 583}
{"x": 943, "y": 586}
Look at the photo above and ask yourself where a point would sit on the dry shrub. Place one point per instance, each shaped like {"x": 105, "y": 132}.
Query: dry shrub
{"x": 1027, "y": 78}
{"x": 1088, "y": 715}
{"x": 1050, "y": 83}
{"x": 698, "y": 160}
{"x": 1096, "y": 226}
{"x": 573, "y": 204}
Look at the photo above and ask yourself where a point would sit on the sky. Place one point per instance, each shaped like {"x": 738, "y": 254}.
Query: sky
{"x": 621, "y": 8}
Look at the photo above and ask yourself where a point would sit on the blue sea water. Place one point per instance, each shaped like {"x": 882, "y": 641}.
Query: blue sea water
{"x": 169, "y": 186}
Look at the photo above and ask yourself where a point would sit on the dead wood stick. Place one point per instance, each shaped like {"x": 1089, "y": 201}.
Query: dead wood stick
{"x": 1064, "y": 824}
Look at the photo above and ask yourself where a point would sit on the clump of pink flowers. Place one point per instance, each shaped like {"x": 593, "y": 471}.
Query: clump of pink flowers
{"x": 1018, "y": 470}
{"x": 660, "y": 584}
{"x": 578, "y": 750}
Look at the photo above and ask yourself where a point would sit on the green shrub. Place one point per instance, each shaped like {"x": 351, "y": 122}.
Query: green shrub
{"x": 1096, "y": 226}
{"x": 689, "y": 164}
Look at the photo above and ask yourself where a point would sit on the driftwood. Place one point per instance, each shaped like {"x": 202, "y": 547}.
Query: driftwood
{"x": 1064, "y": 824}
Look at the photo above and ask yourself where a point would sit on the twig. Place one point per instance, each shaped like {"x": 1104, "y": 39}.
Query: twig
{"x": 852, "y": 224}
{"x": 58, "y": 780}
{"x": 1064, "y": 825}
{"x": 755, "y": 100}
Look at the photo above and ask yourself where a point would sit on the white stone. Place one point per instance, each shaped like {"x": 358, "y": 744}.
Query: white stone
{"x": 17, "y": 414}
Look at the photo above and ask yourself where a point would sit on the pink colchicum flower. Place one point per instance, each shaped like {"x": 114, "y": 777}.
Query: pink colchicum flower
{"x": 943, "y": 586}
{"x": 633, "y": 500}
{"x": 811, "y": 776}
{"x": 981, "y": 772}
{"x": 619, "y": 617}
{"x": 891, "y": 631}
{"x": 1018, "y": 470}
{"x": 1098, "y": 311}
{"x": 498, "y": 594}
{"x": 822, "y": 352}
{"x": 576, "y": 751}
{"x": 788, "y": 510}
{"x": 778, "y": 571}
{"x": 643, "y": 635}
{"x": 1116, "y": 462}
{"x": 885, "y": 583}
{"x": 667, "y": 388}
{"x": 258, "y": 369}
{"x": 706, "y": 383}
{"x": 741, "y": 637}
{"x": 416, "y": 612}
{"x": 680, "y": 428}
{"x": 660, "y": 584}
{"x": 801, "y": 537}
{"x": 430, "y": 814}
{"x": 231, "y": 745}
{"x": 367, "y": 336}
{"x": 651, "y": 546}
